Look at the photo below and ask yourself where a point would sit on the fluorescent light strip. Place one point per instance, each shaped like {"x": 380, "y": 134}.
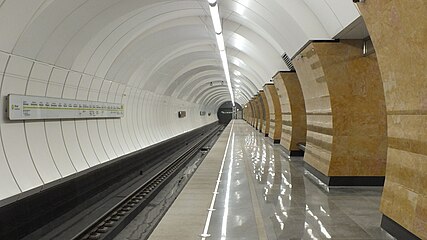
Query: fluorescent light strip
{"x": 216, "y": 20}
{"x": 220, "y": 41}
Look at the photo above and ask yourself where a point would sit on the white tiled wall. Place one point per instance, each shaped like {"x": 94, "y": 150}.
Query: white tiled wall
{"x": 38, "y": 154}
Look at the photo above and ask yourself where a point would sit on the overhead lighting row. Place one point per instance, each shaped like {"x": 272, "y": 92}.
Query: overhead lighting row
{"x": 216, "y": 20}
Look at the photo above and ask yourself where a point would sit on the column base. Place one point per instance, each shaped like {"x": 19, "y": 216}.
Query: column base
{"x": 396, "y": 230}
{"x": 276, "y": 141}
{"x": 297, "y": 153}
{"x": 346, "y": 180}
{"x": 294, "y": 153}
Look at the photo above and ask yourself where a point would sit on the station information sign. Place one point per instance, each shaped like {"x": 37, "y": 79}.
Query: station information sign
{"x": 21, "y": 107}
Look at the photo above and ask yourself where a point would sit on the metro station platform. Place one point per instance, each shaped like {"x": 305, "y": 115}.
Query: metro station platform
{"x": 248, "y": 188}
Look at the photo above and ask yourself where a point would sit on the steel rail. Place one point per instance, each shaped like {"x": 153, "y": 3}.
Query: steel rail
{"x": 116, "y": 218}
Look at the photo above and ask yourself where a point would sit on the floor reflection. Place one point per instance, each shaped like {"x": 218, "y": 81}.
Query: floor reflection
{"x": 295, "y": 207}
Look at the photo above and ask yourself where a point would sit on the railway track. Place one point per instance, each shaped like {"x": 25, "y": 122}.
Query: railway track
{"x": 118, "y": 217}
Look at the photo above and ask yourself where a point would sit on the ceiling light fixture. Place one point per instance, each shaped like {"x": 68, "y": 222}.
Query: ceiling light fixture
{"x": 215, "y": 17}
{"x": 220, "y": 41}
{"x": 216, "y": 20}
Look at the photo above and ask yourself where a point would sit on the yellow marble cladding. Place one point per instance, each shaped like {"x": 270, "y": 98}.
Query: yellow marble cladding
{"x": 252, "y": 112}
{"x": 248, "y": 112}
{"x": 255, "y": 112}
{"x": 294, "y": 127}
{"x": 261, "y": 111}
{"x": 398, "y": 30}
{"x": 346, "y": 118}
{"x": 258, "y": 113}
{"x": 273, "y": 101}
{"x": 255, "y": 120}
{"x": 266, "y": 118}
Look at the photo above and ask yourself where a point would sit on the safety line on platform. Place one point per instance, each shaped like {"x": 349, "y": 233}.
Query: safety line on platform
{"x": 205, "y": 233}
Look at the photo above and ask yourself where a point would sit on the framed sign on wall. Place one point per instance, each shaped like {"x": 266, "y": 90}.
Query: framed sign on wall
{"x": 22, "y": 107}
{"x": 182, "y": 114}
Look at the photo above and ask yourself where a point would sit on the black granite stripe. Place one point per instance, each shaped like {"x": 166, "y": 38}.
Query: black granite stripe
{"x": 347, "y": 180}
{"x": 396, "y": 230}
{"x": 356, "y": 181}
{"x": 296, "y": 153}
{"x": 325, "y": 40}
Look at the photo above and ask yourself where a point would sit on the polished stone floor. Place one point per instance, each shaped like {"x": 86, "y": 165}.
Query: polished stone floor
{"x": 264, "y": 194}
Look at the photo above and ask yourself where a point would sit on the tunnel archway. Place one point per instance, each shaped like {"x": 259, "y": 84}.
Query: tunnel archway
{"x": 227, "y": 112}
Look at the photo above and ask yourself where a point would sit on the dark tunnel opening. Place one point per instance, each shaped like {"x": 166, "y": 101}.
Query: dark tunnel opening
{"x": 227, "y": 112}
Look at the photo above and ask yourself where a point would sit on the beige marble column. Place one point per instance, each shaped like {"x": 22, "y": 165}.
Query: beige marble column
{"x": 257, "y": 112}
{"x": 272, "y": 98}
{"x": 261, "y": 112}
{"x": 346, "y": 119}
{"x": 252, "y": 112}
{"x": 266, "y": 116}
{"x": 294, "y": 126}
{"x": 245, "y": 112}
{"x": 398, "y": 30}
{"x": 250, "y": 118}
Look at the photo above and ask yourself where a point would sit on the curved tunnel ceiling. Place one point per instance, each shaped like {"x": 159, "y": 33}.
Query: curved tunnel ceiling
{"x": 169, "y": 47}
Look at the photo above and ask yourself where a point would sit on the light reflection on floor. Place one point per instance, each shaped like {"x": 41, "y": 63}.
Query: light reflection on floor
{"x": 293, "y": 206}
